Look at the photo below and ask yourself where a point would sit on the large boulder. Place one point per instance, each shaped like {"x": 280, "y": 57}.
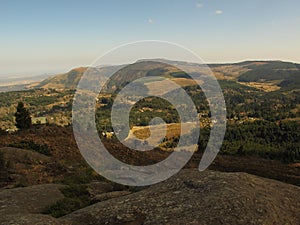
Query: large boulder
{"x": 193, "y": 197}
{"x": 25, "y": 205}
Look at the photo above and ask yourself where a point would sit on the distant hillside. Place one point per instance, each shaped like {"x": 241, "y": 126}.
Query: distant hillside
{"x": 264, "y": 75}
{"x": 138, "y": 70}
{"x": 287, "y": 74}
{"x": 63, "y": 81}
{"x": 70, "y": 80}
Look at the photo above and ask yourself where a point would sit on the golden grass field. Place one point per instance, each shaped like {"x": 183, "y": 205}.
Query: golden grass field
{"x": 264, "y": 86}
{"x": 158, "y": 131}
{"x": 161, "y": 87}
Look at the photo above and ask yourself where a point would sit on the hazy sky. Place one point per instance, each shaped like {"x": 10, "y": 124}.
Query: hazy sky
{"x": 54, "y": 36}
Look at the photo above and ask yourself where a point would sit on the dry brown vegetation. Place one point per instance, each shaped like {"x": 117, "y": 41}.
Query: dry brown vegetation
{"x": 65, "y": 152}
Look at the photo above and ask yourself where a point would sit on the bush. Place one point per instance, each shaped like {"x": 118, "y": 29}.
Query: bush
{"x": 30, "y": 145}
{"x": 63, "y": 207}
{"x": 75, "y": 191}
{"x": 76, "y": 197}
{"x": 82, "y": 175}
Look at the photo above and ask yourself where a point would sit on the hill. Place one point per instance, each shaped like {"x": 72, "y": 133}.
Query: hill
{"x": 70, "y": 80}
{"x": 283, "y": 72}
{"x": 43, "y": 175}
{"x": 63, "y": 81}
{"x": 265, "y": 75}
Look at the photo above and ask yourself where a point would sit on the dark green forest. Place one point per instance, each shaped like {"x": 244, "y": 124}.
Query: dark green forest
{"x": 259, "y": 123}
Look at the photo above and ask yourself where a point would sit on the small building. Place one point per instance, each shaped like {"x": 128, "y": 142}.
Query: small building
{"x": 39, "y": 120}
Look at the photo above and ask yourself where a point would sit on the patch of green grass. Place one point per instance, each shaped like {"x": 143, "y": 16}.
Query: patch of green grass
{"x": 76, "y": 197}
{"x": 82, "y": 175}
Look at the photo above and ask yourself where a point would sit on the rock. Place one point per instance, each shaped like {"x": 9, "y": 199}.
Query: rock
{"x": 205, "y": 198}
{"x": 96, "y": 188}
{"x": 109, "y": 195}
{"x": 30, "y": 219}
{"x": 16, "y": 204}
{"x": 190, "y": 197}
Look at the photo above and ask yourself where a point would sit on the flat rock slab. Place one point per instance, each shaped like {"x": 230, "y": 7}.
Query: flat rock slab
{"x": 97, "y": 188}
{"x": 192, "y": 197}
{"x": 110, "y": 195}
{"x": 29, "y": 219}
{"x": 16, "y": 203}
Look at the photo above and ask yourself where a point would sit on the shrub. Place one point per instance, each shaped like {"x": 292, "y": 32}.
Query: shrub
{"x": 30, "y": 145}
{"x": 63, "y": 207}
{"x": 82, "y": 175}
{"x": 76, "y": 197}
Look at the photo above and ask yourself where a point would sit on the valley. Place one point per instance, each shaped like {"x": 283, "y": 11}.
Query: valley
{"x": 256, "y": 117}
{"x": 261, "y": 147}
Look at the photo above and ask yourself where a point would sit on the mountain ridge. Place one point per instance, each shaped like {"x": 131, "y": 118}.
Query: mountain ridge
{"x": 281, "y": 74}
{"x": 247, "y": 71}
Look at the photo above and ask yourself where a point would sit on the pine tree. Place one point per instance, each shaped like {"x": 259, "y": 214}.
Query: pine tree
{"x": 23, "y": 119}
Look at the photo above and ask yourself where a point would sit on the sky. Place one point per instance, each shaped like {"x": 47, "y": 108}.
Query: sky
{"x": 42, "y": 36}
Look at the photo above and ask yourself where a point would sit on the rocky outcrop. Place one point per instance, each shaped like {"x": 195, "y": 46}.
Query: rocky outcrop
{"x": 110, "y": 195}
{"x": 190, "y": 197}
{"x": 25, "y": 205}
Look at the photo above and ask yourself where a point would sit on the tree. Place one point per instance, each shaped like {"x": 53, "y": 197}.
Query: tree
{"x": 23, "y": 119}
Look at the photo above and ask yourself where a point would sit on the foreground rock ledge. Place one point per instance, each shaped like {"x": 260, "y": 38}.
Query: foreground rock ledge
{"x": 192, "y": 197}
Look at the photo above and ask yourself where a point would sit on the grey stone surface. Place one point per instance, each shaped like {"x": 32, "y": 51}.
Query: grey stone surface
{"x": 192, "y": 197}
{"x": 24, "y": 205}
